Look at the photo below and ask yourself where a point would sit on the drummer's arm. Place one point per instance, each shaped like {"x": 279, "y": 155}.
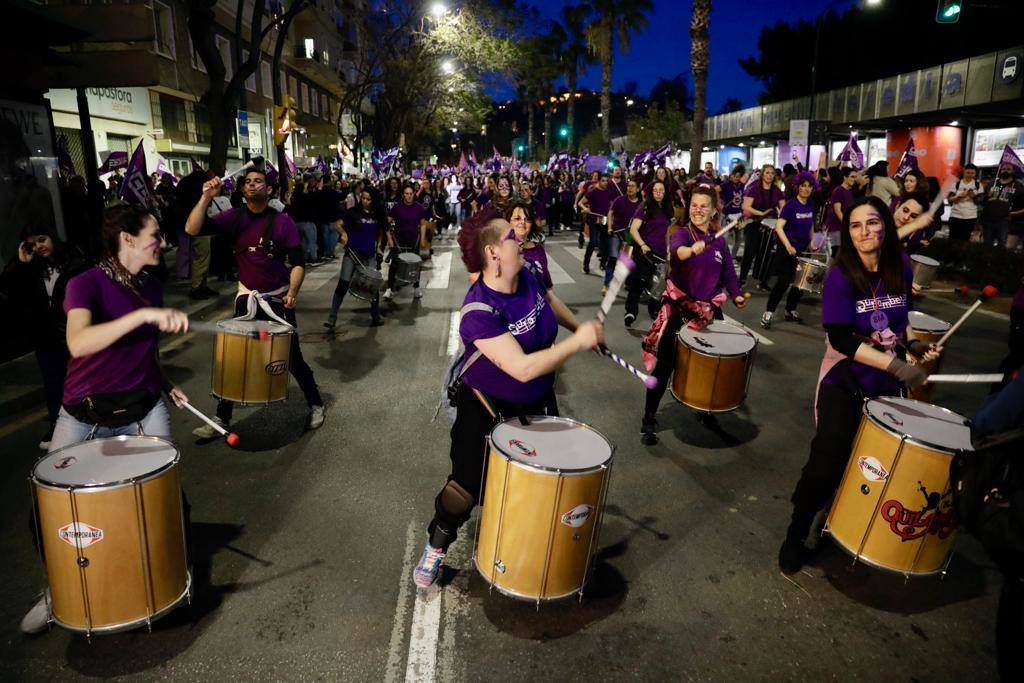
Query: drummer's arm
{"x": 84, "y": 338}
{"x": 748, "y": 208}
{"x": 506, "y": 353}
{"x": 565, "y": 317}
{"x": 634, "y": 231}
{"x": 919, "y": 223}
{"x": 844, "y": 340}
{"x": 297, "y": 260}
{"x": 781, "y": 234}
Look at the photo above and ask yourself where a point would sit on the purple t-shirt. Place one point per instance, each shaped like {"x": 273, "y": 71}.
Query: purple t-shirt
{"x": 540, "y": 212}
{"x": 623, "y": 211}
{"x": 361, "y": 229}
{"x": 654, "y": 230}
{"x": 536, "y": 256}
{"x": 527, "y": 315}
{"x": 129, "y": 364}
{"x": 765, "y": 199}
{"x": 618, "y": 188}
{"x": 799, "y": 219}
{"x": 704, "y": 275}
{"x": 256, "y": 269}
{"x": 407, "y": 219}
{"x": 841, "y": 304}
{"x": 600, "y": 200}
{"x": 732, "y": 198}
{"x": 843, "y": 197}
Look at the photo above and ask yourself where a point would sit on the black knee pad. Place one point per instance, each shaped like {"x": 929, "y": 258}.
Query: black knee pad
{"x": 455, "y": 500}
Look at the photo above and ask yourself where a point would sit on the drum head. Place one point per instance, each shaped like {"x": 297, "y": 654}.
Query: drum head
{"x": 105, "y": 462}
{"x": 924, "y": 260}
{"x": 552, "y": 443}
{"x": 923, "y": 422}
{"x": 411, "y": 259}
{"x": 252, "y": 327}
{"x": 926, "y": 323}
{"x": 718, "y": 339}
{"x": 369, "y": 273}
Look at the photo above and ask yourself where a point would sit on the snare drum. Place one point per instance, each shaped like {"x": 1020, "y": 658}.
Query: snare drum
{"x": 366, "y": 283}
{"x": 810, "y": 274}
{"x": 112, "y": 532}
{"x": 247, "y": 369}
{"x": 545, "y": 490}
{"x": 894, "y": 508}
{"x": 929, "y": 330}
{"x": 924, "y": 269}
{"x": 407, "y": 269}
{"x": 713, "y": 366}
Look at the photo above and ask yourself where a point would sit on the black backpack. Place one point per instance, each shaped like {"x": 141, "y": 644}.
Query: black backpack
{"x": 988, "y": 493}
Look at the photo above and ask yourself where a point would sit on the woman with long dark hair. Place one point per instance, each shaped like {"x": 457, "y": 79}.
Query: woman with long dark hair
{"x": 865, "y": 304}
{"x": 795, "y": 231}
{"x": 649, "y": 231}
{"x": 361, "y": 231}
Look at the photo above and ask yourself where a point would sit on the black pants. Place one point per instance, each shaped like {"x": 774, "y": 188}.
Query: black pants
{"x": 469, "y": 455}
{"x": 639, "y": 279}
{"x": 666, "y": 363}
{"x": 594, "y": 241}
{"x": 392, "y": 258}
{"x": 53, "y": 365}
{"x": 348, "y": 264}
{"x": 751, "y": 249}
{"x": 784, "y": 268}
{"x": 297, "y": 365}
{"x": 839, "y": 414}
{"x": 961, "y": 228}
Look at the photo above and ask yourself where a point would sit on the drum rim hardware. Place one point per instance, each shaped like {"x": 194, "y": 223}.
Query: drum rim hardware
{"x": 912, "y": 439}
{"x": 505, "y": 453}
{"x": 121, "y": 483}
{"x": 702, "y": 352}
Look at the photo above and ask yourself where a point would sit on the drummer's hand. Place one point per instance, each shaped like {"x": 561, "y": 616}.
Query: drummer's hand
{"x": 289, "y": 300}
{"x": 698, "y": 247}
{"x": 932, "y": 353}
{"x": 167, "y": 319}
{"x": 211, "y": 188}
{"x": 915, "y": 288}
{"x": 178, "y": 396}
{"x": 25, "y": 252}
{"x": 589, "y": 335}
{"x": 791, "y": 250}
{"x": 740, "y": 301}
{"x": 645, "y": 249}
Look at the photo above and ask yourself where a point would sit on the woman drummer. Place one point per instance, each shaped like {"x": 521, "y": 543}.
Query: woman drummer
{"x": 114, "y": 319}
{"x": 361, "y": 231}
{"x": 865, "y": 302}
{"x": 649, "y": 231}
{"x": 912, "y": 220}
{"x": 508, "y": 327}
{"x": 795, "y": 230}
{"x": 700, "y": 267}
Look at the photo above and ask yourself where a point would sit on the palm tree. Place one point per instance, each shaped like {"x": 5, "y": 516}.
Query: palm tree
{"x": 537, "y": 74}
{"x": 611, "y": 20}
{"x": 575, "y": 55}
{"x": 699, "y": 56}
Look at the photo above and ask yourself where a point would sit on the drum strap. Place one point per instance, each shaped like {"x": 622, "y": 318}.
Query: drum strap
{"x": 255, "y": 301}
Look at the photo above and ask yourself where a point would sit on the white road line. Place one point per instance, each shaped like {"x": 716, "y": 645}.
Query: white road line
{"x": 575, "y": 252}
{"x": 393, "y": 668}
{"x": 760, "y": 338}
{"x": 558, "y": 274}
{"x": 454, "y": 339}
{"x": 421, "y": 666}
{"x": 456, "y": 606}
{"x": 441, "y": 271}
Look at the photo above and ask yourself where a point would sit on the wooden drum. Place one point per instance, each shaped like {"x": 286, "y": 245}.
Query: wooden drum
{"x": 112, "y": 532}
{"x": 894, "y": 508}
{"x": 545, "y": 489}
{"x": 248, "y": 369}
{"x": 713, "y": 366}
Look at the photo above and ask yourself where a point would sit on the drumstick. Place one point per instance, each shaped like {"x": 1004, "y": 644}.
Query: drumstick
{"x": 623, "y": 267}
{"x": 230, "y": 437}
{"x": 968, "y": 378}
{"x": 947, "y": 187}
{"x": 733, "y": 222}
{"x": 987, "y": 292}
{"x": 962, "y": 290}
{"x": 650, "y": 381}
{"x": 243, "y": 169}
{"x": 201, "y": 326}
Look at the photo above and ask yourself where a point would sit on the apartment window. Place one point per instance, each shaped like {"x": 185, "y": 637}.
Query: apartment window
{"x": 268, "y": 85}
{"x": 315, "y": 101}
{"x": 293, "y": 88}
{"x": 325, "y": 107}
{"x": 308, "y": 48}
{"x": 250, "y": 82}
{"x": 224, "y": 48}
{"x": 197, "y": 63}
{"x": 305, "y": 98}
{"x": 172, "y": 115}
{"x": 163, "y": 25}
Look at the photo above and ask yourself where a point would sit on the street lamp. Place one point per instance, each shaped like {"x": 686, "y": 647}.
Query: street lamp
{"x": 438, "y": 10}
{"x": 447, "y": 66}
{"x": 629, "y": 103}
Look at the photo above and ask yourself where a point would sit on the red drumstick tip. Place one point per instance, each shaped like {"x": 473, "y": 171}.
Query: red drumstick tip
{"x": 963, "y": 289}
{"x": 651, "y": 382}
{"x": 232, "y": 439}
{"x": 989, "y": 291}
{"x": 263, "y": 335}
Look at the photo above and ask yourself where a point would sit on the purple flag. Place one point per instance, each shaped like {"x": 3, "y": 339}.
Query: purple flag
{"x": 659, "y": 155}
{"x": 852, "y": 153}
{"x": 65, "y": 165}
{"x": 134, "y": 189}
{"x": 195, "y": 165}
{"x": 114, "y": 161}
{"x": 1010, "y": 157}
{"x": 321, "y": 166}
{"x": 271, "y": 173}
{"x": 290, "y": 164}
{"x": 908, "y": 162}
{"x": 596, "y": 163}
{"x": 417, "y": 173}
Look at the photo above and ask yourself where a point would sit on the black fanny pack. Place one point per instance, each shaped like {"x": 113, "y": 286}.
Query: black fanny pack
{"x": 116, "y": 409}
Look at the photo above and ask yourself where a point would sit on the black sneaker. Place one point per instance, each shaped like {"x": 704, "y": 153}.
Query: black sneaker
{"x": 581, "y": 241}
{"x": 791, "y": 555}
{"x": 376, "y": 321}
{"x": 199, "y": 295}
{"x": 628, "y": 319}
{"x": 794, "y": 317}
{"x": 649, "y": 431}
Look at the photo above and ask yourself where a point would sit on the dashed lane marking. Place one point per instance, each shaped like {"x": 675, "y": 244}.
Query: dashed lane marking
{"x": 393, "y": 669}
{"x": 441, "y": 271}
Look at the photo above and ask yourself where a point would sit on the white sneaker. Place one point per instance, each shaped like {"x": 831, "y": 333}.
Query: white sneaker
{"x": 417, "y": 293}
{"x": 316, "y": 417}
{"x": 38, "y": 618}
{"x": 388, "y": 295}
{"x": 205, "y": 431}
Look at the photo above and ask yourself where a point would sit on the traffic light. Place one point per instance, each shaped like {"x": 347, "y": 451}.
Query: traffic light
{"x": 521, "y": 148}
{"x": 284, "y": 119}
{"x": 564, "y": 132}
{"x": 948, "y": 11}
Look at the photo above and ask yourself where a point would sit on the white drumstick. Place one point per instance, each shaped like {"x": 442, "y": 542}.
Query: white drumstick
{"x": 623, "y": 266}
{"x": 947, "y": 187}
{"x": 968, "y": 378}
{"x": 262, "y": 332}
{"x": 987, "y": 292}
{"x": 733, "y": 222}
{"x": 230, "y": 437}
{"x": 243, "y": 169}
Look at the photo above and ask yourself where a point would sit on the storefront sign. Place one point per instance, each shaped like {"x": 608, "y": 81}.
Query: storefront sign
{"x": 130, "y": 105}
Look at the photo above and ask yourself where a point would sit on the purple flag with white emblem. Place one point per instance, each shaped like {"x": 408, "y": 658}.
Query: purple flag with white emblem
{"x": 1010, "y": 157}
{"x": 134, "y": 189}
{"x": 908, "y": 162}
{"x": 852, "y": 153}
{"x": 114, "y": 161}
{"x": 291, "y": 164}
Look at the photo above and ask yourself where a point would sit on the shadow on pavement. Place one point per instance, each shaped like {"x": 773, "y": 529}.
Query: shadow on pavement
{"x": 715, "y": 431}
{"x": 274, "y": 426}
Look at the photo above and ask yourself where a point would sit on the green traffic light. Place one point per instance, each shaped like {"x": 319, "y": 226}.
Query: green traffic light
{"x": 521, "y": 148}
{"x": 564, "y": 132}
{"x": 948, "y": 11}
{"x": 952, "y": 10}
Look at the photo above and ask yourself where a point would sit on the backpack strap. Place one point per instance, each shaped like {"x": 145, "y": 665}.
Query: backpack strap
{"x": 473, "y": 357}
{"x": 268, "y": 230}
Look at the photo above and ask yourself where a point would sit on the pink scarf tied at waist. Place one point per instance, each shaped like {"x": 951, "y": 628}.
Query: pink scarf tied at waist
{"x": 698, "y": 314}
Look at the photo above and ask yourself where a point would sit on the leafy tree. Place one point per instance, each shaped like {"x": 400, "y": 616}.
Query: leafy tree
{"x": 657, "y": 126}
{"x": 675, "y": 90}
{"x": 699, "y": 57}
{"x": 575, "y": 55}
{"x": 594, "y": 141}
{"x": 731, "y": 104}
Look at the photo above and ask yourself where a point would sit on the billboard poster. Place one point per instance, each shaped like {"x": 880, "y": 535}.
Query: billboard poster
{"x": 989, "y": 143}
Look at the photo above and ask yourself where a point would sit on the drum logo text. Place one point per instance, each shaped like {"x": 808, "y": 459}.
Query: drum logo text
{"x": 277, "y": 367}
{"x": 578, "y": 516}
{"x": 523, "y": 448}
{"x": 65, "y": 463}
{"x": 910, "y": 524}
{"x": 80, "y": 534}
{"x": 872, "y": 469}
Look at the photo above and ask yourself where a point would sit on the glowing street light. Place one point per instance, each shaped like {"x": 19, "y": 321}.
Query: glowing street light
{"x": 447, "y": 66}
{"x": 438, "y": 10}
{"x": 629, "y": 103}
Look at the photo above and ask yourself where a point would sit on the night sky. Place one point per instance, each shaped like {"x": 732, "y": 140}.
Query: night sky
{"x": 664, "y": 49}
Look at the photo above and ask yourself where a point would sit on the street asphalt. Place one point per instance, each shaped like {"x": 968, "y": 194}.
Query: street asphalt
{"x": 304, "y": 542}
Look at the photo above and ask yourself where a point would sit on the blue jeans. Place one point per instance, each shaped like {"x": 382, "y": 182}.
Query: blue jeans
{"x": 308, "y": 233}
{"x": 330, "y": 239}
{"x": 995, "y": 232}
{"x": 70, "y": 431}
{"x": 611, "y": 245}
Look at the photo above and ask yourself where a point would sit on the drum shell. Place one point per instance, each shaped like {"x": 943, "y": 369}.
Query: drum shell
{"x": 710, "y": 382}
{"x": 143, "y": 544}
{"x": 924, "y": 273}
{"x": 406, "y": 272}
{"x": 809, "y": 275}
{"x": 884, "y": 523}
{"x": 366, "y": 283}
{"x": 521, "y": 530}
{"x": 249, "y": 370}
